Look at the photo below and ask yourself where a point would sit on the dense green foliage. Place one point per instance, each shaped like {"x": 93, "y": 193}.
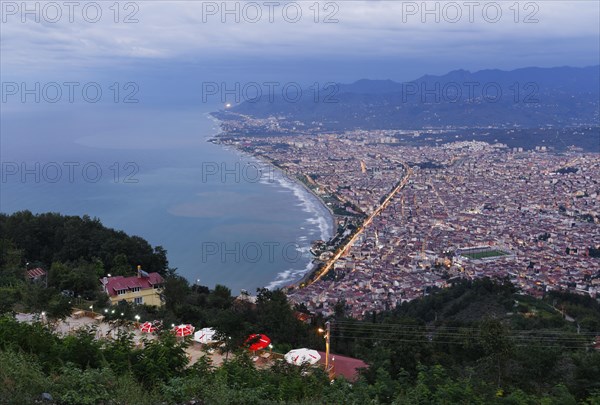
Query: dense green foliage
{"x": 480, "y": 361}
{"x": 485, "y": 332}
{"x": 48, "y": 238}
{"x": 477, "y": 342}
{"x": 75, "y": 251}
{"x": 238, "y": 318}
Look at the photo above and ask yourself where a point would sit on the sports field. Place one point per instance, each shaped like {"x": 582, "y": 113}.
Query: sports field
{"x": 485, "y": 254}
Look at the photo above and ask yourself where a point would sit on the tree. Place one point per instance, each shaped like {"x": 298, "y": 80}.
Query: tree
{"x": 36, "y": 297}
{"x": 11, "y": 263}
{"x": 119, "y": 352}
{"x": 121, "y": 266}
{"x": 80, "y": 276}
{"x": 82, "y": 349}
{"x": 275, "y": 317}
{"x": 83, "y": 387}
{"x": 493, "y": 338}
{"x": 51, "y": 237}
{"x": 23, "y": 379}
{"x": 220, "y": 297}
{"x": 176, "y": 288}
{"x": 9, "y": 296}
{"x": 161, "y": 359}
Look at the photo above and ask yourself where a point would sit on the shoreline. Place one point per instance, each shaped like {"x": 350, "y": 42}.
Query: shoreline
{"x": 311, "y": 266}
{"x": 299, "y": 182}
{"x": 266, "y": 160}
{"x": 217, "y": 123}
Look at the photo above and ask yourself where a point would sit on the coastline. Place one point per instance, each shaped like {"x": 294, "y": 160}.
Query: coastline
{"x": 217, "y": 123}
{"x": 334, "y": 222}
{"x": 311, "y": 266}
{"x": 297, "y": 181}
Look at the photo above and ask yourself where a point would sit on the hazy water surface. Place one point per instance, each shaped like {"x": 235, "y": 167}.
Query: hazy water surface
{"x": 151, "y": 173}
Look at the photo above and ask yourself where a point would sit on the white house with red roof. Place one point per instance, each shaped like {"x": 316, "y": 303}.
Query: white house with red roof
{"x": 144, "y": 288}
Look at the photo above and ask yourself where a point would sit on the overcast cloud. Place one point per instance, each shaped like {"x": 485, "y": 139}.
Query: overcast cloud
{"x": 376, "y": 39}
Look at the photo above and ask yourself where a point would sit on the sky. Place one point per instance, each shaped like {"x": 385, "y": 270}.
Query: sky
{"x": 175, "y": 46}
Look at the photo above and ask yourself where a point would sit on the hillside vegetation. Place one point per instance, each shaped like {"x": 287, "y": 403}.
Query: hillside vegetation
{"x": 477, "y": 342}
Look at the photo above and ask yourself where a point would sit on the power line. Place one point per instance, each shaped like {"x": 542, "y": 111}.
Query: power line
{"x": 459, "y": 337}
{"x": 455, "y": 342}
{"x": 464, "y": 331}
{"x": 532, "y": 335}
{"x": 387, "y": 327}
{"x": 414, "y": 334}
{"x": 463, "y": 338}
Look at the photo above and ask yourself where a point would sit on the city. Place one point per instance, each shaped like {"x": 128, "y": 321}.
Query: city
{"x": 538, "y": 208}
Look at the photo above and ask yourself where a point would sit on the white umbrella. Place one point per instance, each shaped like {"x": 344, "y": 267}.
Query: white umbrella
{"x": 301, "y": 356}
{"x": 205, "y": 335}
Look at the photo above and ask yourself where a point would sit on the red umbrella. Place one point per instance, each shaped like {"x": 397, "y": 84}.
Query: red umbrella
{"x": 184, "y": 330}
{"x": 258, "y": 341}
{"x": 148, "y": 327}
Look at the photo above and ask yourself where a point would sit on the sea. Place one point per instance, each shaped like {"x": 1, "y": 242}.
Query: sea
{"x": 224, "y": 217}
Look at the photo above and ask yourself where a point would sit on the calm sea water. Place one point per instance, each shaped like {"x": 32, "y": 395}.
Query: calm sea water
{"x": 151, "y": 173}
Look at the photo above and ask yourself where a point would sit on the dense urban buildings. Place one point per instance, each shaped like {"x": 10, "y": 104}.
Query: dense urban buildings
{"x": 466, "y": 209}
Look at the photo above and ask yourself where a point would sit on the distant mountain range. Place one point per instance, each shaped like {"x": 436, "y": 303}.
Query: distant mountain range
{"x": 527, "y": 98}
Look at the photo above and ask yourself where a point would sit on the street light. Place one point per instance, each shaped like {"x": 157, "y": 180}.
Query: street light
{"x": 327, "y": 332}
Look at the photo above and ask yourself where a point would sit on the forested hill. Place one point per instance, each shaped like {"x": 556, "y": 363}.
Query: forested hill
{"x": 46, "y": 238}
{"x": 530, "y": 355}
{"x": 477, "y": 342}
{"x": 75, "y": 251}
{"x": 486, "y": 333}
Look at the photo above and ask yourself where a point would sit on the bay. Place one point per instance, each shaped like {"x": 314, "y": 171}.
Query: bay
{"x": 223, "y": 217}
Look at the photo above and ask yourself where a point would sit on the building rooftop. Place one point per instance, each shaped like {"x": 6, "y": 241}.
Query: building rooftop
{"x": 143, "y": 281}
{"x": 35, "y": 273}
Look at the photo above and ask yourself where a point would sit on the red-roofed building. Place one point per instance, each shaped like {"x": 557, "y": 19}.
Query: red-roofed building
{"x": 301, "y": 316}
{"x": 145, "y": 288}
{"x": 344, "y": 366}
{"x": 36, "y": 274}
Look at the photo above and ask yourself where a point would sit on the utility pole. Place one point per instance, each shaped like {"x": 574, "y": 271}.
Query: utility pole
{"x": 327, "y": 343}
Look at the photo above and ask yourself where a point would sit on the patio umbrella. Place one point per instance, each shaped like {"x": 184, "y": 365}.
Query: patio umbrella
{"x": 301, "y": 356}
{"x": 205, "y": 336}
{"x": 148, "y": 327}
{"x": 258, "y": 341}
{"x": 183, "y": 330}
